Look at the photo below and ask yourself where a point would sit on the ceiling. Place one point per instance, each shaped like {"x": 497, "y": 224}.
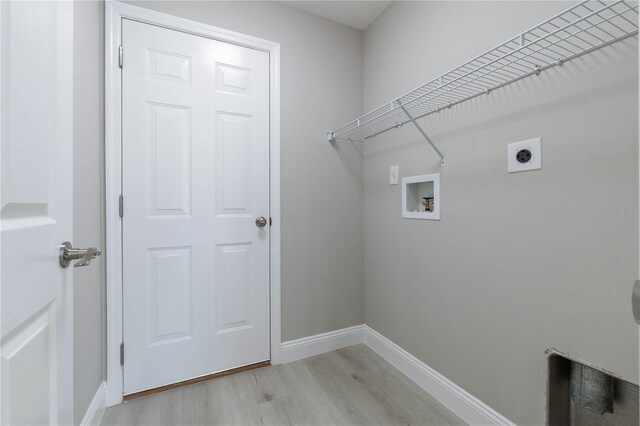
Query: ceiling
{"x": 355, "y": 14}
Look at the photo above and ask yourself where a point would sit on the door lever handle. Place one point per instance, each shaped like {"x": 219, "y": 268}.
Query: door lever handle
{"x": 68, "y": 254}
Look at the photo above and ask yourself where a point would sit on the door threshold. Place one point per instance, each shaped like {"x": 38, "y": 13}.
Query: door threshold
{"x": 196, "y": 380}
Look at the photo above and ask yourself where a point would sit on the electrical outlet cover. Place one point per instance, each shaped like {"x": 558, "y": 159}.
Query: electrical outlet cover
{"x": 534, "y": 155}
{"x": 393, "y": 175}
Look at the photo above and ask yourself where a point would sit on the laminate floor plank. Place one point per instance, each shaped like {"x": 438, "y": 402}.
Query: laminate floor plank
{"x": 350, "y": 386}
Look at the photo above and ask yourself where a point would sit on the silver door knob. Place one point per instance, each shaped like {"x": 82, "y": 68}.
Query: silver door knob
{"x": 68, "y": 253}
{"x": 261, "y": 221}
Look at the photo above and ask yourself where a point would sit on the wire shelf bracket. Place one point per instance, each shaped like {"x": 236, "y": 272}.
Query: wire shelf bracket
{"x": 422, "y": 132}
{"x": 579, "y": 30}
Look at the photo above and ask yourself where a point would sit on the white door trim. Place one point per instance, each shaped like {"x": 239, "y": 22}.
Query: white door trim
{"x": 114, "y": 13}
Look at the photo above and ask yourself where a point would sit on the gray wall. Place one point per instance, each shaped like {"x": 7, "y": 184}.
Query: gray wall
{"x": 519, "y": 263}
{"x": 88, "y": 285}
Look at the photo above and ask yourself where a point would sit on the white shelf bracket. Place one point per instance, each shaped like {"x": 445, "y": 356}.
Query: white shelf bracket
{"x": 435, "y": 148}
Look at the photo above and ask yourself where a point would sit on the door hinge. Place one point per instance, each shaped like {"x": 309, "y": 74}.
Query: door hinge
{"x": 120, "y": 56}
{"x": 122, "y": 353}
{"x": 120, "y": 205}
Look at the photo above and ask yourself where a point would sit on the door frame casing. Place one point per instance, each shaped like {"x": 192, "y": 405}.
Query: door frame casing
{"x": 114, "y": 13}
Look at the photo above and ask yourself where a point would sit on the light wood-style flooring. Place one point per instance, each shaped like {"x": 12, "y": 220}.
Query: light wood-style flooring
{"x": 351, "y": 386}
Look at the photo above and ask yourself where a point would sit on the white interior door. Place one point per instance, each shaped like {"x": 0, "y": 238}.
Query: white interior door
{"x": 195, "y": 175}
{"x": 36, "y": 214}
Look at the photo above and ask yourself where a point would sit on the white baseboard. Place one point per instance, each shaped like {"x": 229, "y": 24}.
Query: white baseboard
{"x": 294, "y": 350}
{"x": 463, "y": 404}
{"x": 94, "y": 413}
{"x": 469, "y": 408}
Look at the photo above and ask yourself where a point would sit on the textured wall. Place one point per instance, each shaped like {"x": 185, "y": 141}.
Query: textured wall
{"x": 519, "y": 262}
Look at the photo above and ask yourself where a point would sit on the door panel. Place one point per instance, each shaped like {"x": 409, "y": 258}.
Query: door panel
{"x": 36, "y": 212}
{"x": 170, "y": 160}
{"x": 231, "y": 147}
{"x": 27, "y": 373}
{"x": 170, "y": 295}
{"x": 195, "y": 178}
{"x": 232, "y": 287}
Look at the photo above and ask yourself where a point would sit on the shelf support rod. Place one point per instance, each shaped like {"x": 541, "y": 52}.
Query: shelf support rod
{"x": 435, "y": 148}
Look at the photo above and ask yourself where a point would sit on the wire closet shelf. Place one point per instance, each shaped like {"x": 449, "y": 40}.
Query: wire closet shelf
{"x": 579, "y": 30}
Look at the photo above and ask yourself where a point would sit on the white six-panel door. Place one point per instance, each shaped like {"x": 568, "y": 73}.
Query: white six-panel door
{"x": 36, "y": 350}
{"x": 195, "y": 175}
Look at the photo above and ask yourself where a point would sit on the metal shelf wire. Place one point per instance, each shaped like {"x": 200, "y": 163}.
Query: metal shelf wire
{"x": 581, "y": 29}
